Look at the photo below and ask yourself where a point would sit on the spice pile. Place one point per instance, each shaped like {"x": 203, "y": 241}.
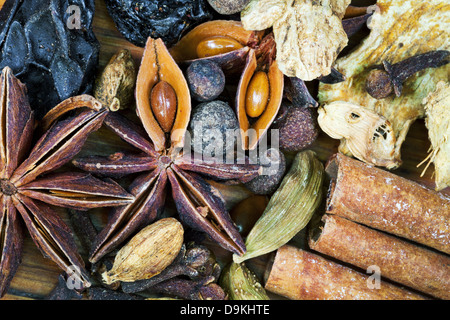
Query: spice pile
{"x": 192, "y": 165}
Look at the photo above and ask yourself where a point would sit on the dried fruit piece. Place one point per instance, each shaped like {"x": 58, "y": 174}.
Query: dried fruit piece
{"x": 148, "y": 253}
{"x": 164, "y": 19}
{"x": 309, "y": 34}
{"x": 438, "y": 124}
{"x": 240, "y": 283}
{"x": 363, "y": 133}
{"x": 57, "y": 62}
{"x": 289, "y": 209}
{"x": 298, "y": 93}
{"x": 399, "y": 30}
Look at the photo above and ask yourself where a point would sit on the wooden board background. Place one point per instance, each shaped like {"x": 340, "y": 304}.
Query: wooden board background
{"x": 37, "y": 276}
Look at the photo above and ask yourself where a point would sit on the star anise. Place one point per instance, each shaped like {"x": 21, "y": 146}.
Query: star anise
{"x": 164, "y": 106}
{"x": 25, "y": 192}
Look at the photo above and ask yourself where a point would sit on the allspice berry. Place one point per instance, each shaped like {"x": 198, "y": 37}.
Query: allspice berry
{"x": 206, "y": 80}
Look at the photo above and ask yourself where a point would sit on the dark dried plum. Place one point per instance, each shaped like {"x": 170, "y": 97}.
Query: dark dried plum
{"x": 50, "y": 46}
{"x": 165, "y": 19}
{"x": 15, "y": 49}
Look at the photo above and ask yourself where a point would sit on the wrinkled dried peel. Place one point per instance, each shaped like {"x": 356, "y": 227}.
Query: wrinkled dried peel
{"x": 309, "y": 34}
{"x": 363, "y": 133}
{"x": 148, "y": 253}
{"x": 437, "y": 122}
{"x": 399, "y": 29}
{"x": 289, "y": 209}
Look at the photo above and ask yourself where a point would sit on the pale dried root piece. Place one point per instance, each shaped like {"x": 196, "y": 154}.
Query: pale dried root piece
{"x": 148, "y": 253}
{"x": 437, "y": 122}
{"x": 309, "y": 34}
{"x": 289, "y": 209}
{"x": 399, "y": 30}
{"x": 364, "y": 134}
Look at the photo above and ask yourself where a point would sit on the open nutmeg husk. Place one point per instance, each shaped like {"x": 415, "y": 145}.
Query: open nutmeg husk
{"x": 225, "y": 42}
{"x": 259, "y": 95}
{"x": 158, "y": 78}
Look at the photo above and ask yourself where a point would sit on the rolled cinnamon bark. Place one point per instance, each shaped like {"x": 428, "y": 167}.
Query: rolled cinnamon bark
{"x": 398, "y": 260}
{"x": 387, "y": 202}
{"x": 301, "y": 275}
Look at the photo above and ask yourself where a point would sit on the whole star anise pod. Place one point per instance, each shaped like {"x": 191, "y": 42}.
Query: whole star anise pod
{"x": 164, "y": 106}
{"x": 24, "y": 190}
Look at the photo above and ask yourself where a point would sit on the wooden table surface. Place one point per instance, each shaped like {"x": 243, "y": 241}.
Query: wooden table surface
{"x": 37, "y": 276}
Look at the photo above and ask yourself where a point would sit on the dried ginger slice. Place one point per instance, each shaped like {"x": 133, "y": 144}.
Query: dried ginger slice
{"x": 399, "y": 30}
{"x": 309, "y": 34}
{"x": 363, "y": 133}
{"x": 437, "y": 122}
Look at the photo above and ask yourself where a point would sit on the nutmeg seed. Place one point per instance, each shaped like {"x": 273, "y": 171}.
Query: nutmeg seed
{"x": 257, "y": 94}
{"x": 163, "y": 101}
{"x": 216, "y": 45}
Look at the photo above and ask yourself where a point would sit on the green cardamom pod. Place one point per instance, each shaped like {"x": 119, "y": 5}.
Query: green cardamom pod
{"x": 289, "y": 209}
{"x": 240, "y": 283}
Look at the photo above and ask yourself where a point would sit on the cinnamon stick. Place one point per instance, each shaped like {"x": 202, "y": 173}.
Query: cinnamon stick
{"x": 387, "y": 202}
{"x": 301, "y": 275}
{"x": 398, "y": 260}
